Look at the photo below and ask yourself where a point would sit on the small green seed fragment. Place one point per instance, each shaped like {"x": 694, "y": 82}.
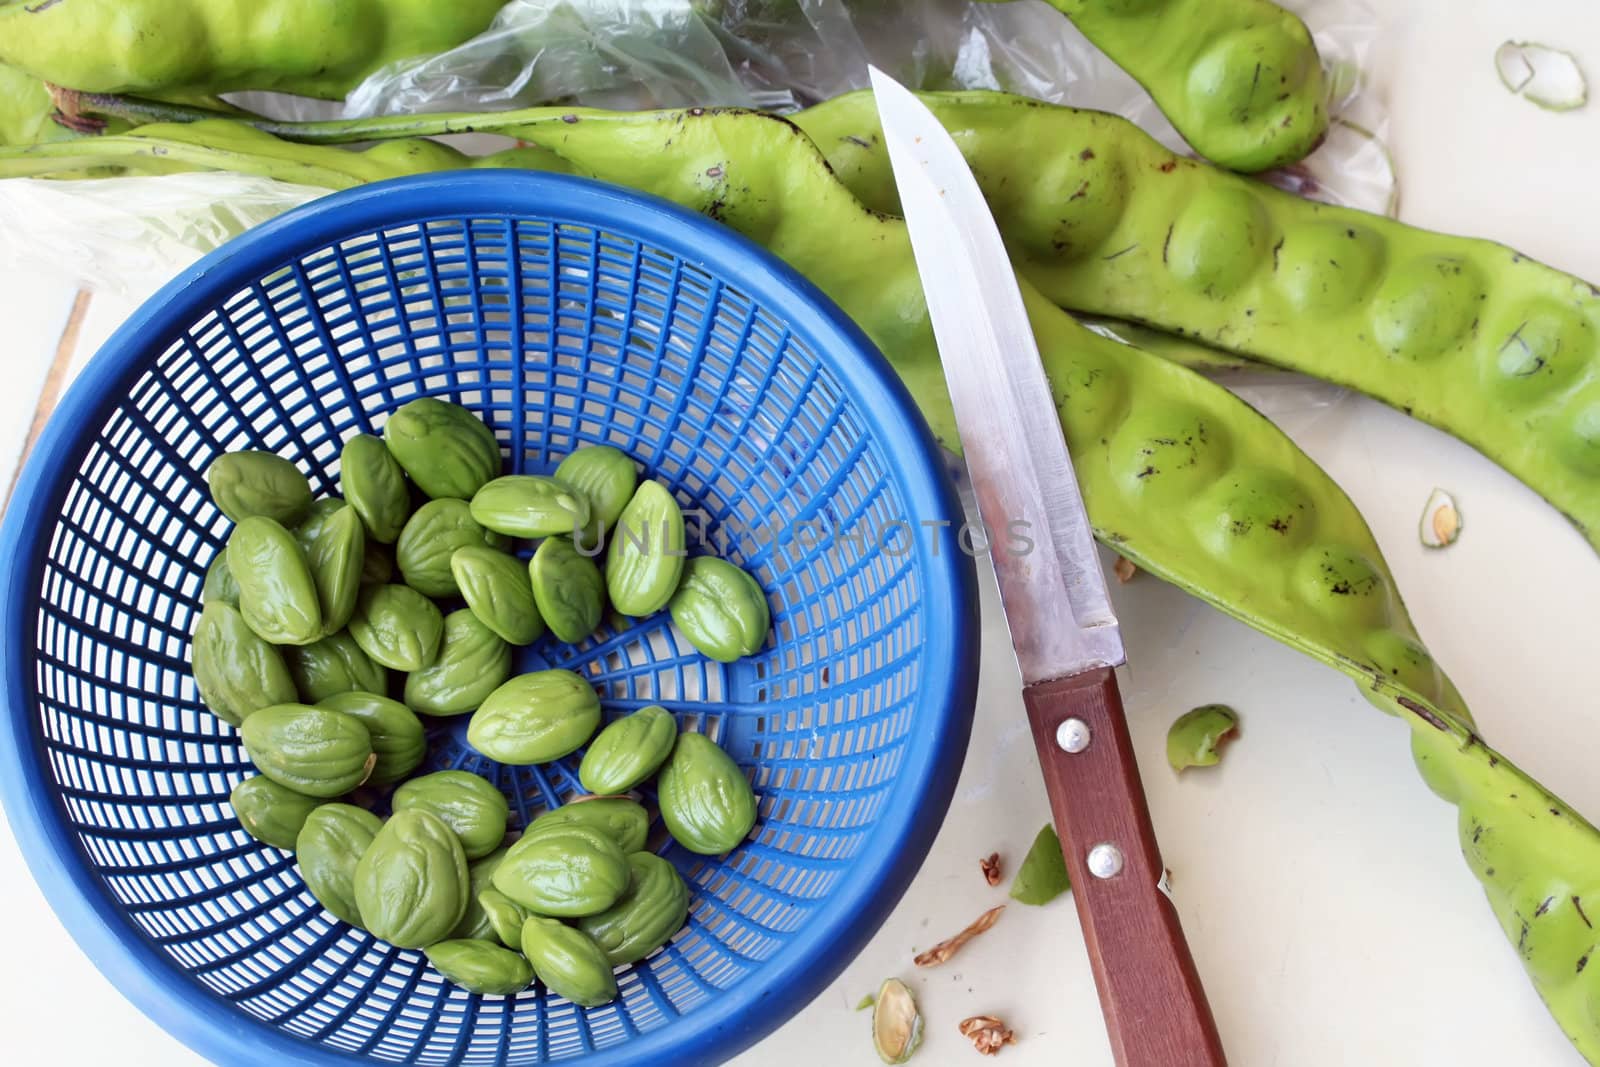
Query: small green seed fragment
{"x": 1043, "y": 874}
{"x": 896, "y": 1022}
{"x": 866, "y": 1002}
{"x": 1194, "y": 740}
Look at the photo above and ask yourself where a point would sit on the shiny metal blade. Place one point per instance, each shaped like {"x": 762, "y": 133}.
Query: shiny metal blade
{"x": 1039, "y": 535}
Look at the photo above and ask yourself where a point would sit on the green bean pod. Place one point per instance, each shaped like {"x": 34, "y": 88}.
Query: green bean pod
{"x": 1466, "y": 335}
{"x": 1240, "y": 79}
{"x": 317, "y": 48}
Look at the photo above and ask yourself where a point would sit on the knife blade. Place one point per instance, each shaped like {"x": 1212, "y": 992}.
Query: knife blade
{"x": 1053, "y": 589}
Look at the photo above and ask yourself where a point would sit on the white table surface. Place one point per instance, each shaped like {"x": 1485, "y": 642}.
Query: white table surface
{"x": 1319, "y": 881}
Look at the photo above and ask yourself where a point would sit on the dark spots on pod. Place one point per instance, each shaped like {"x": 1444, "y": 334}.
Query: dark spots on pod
{"x": 1577, "y": 904}
{"x": 1494, "y": 761}
{"x": 1423, "y": 712}
{"x": 1121, "y": 253}
{"x": 1082, "y": 191}
{"x": 1277, "y": 253}
{"x": 1350, "y": 233}
{"x": 1522, "y": 940}
{"x": 1086, "y": 155}
{"x": 1546, "y": 343}
{"x": 571, "y": 120}
{"x": 1288, "y": 120}
{"x": 1166, "y": 246}
{"x": 1280, "y": 524}
{"x": 1477, "y": 832}
{"x": 1488, "y": 872}
{"x": 1169, "y": 166}
{"x": 1524, "y": 361}
{"x": 859, "y": 142}
{"x": 1543, "y": 907}
{"x": 1583, "y": 961}
{"x": 713, "y": 172}
{"x": 1147, "y": 472}
{"x": 1556, "y": 812}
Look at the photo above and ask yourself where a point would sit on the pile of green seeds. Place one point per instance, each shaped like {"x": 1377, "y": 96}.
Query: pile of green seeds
{"x": 314, "y": 602}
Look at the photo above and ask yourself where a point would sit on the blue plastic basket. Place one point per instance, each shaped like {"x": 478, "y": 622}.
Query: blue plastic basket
{"x": 565, "y": 313}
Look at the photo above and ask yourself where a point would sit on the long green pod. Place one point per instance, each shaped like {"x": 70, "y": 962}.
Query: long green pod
{"x": 1319, "y": 583}
{"x": 310, "y": 47}
{"x": 223, "y": 144}
{"x": 1466, "y": 335}
{"x": 1240, "y": 79}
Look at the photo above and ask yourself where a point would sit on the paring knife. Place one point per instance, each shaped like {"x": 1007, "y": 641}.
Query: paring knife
{"x": 1056, "y": 604}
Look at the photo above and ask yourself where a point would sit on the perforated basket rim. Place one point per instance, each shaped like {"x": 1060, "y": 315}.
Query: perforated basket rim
{"x": 737, "y": 1017}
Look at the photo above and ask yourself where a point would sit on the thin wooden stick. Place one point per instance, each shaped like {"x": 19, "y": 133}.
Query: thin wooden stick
{"x": 54, "y": 382}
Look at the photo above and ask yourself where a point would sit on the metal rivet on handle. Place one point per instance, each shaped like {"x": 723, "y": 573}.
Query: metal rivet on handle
{"x": 1072, "y": 735}
{"x": 1105, "y": 860}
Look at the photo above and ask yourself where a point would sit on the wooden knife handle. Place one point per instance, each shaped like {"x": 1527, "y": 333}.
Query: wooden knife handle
{"x": 1150, "y": 992}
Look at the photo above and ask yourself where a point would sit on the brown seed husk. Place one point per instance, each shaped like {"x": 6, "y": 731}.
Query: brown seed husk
{"x": 945, "y": 949}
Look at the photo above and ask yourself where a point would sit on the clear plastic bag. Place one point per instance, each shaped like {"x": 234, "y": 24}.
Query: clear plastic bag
{"x": 129, "y": 233}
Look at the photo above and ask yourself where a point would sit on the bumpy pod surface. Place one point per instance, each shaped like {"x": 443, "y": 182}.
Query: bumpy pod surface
{"x": 1466, "y": 335}
{"x": 1359, "y": 627}
{"x": 1240, "y": 79}
{"x": 317, "y": 48}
